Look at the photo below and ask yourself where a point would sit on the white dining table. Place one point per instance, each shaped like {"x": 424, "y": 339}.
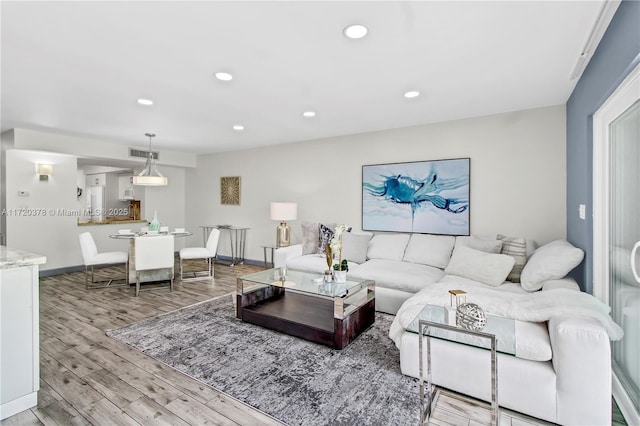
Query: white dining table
{"x": 145, "y": 276}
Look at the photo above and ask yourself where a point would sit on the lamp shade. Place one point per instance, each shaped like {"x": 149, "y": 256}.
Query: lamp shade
{"x": 150, "y": 176}
{"x": 150, "y": 180}
{"x": 284, "y": 211}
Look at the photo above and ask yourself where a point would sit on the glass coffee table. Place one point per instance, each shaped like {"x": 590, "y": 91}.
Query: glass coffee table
{"x": 498, "y": 335}
{"x": 302, "y": 305}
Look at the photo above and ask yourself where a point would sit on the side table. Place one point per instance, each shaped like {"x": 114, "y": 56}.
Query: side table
{"x": 237, "y": 240}
{"x": 268, "y": 249}
{"x": 426, "y": 401}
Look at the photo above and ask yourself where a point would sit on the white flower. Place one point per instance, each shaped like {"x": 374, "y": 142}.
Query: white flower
{"x": 336, "y": 242}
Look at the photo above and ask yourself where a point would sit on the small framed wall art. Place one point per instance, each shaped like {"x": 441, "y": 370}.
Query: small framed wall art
{"x": 230, "y": 190}
{"x": 430, "y": 197}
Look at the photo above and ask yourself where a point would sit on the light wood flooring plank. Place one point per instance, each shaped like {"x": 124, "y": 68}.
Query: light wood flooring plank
{"x": 148, "y": 412}
{"x": 46, "y": 395}
{"x": 73, "y": 389}
{"x": 116, "y": 390}
{"x": 241, "y": 413}
{"x": 49, "y": 366}
{"x": 53, "y": 345}
{"x": 104, "y": 412}
{"x": 24, "y": 418}
{"x": 77, "y": 363}
{"x": 150, "y": 385}
{"x": 196, "y": 413}
{"x": 60, "y": 413}
{"x": 110, "y": 361}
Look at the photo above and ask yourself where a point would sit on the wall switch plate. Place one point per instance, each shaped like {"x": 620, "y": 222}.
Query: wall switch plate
{"x": 582, "y": 211}
{"x": 23, "y": 193}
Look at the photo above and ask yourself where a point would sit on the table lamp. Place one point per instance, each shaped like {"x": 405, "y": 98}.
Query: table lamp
{"x": 283, "y": 212}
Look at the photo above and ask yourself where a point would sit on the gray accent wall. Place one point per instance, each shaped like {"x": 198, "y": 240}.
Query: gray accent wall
{"x": 615, "y": 57}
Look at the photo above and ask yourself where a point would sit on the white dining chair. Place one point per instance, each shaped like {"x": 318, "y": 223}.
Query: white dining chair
{"x": 92, "y": 258}
{"x": 208, "y": 253}
{"x": 154, "y": 253}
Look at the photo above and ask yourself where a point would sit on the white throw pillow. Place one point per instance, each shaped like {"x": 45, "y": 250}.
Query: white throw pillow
{"x": 432, "y": 250}
{"x": 487, "y": 268}
{"x": 550, "y": 262}
{"x": 355, "y": 246}
{"x": 482, "y": 244}
{"x": 387, "y": 246}
{"x": 517, "y": 248}
{"x": 309, "y": 238}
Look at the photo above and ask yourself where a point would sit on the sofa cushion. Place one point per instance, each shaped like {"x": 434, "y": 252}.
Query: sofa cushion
{"x": 550, "y": 262}
{"x": 387, "y": 246}
{"x": 532, "y": 341}
{"x": 484, "y": 244}
{"x": 487, "y": 268}
{"x": 314, "y": 263}
{"x": 432, "y": 250}
{"x": 309, "y": 238}
{"x": 517, "y": 248}
{"x": 355, "y": 246}
{"x": 396, "y": 274}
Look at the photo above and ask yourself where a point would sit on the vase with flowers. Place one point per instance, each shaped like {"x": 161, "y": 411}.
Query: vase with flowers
{"x": 341, "y": 267}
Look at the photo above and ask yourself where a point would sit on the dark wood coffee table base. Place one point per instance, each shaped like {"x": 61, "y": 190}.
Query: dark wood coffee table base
{"x": 308, "y": 317}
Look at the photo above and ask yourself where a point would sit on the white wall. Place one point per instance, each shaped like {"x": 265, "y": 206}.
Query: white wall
{"x": 518, "y": 176}
{"x": 95, "y": 148}
{"x": 39, "y": 228}
{"x": 6, "y": 142}
{"x": 55, "y": 235}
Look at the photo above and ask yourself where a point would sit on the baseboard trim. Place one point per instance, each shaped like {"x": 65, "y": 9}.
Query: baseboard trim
{"x": 58, "y": 271}
{"x": 80, "y": 268}
{"x": 227, "y": 261}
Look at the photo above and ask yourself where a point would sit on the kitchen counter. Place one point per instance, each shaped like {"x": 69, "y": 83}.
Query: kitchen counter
{"x": 19, "y": 330}
{"x": 14, "y": 258}
{"x": 110, "y": 222}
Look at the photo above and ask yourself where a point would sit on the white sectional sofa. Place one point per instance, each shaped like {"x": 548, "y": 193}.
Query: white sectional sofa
{"x": 562, "y": 368}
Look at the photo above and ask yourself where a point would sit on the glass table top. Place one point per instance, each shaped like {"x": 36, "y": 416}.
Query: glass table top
{"x": 305, "y": 282}
{"x": 501, "y": 327}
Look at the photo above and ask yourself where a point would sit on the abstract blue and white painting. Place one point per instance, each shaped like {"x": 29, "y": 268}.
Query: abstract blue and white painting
{"x": 430, "y": 197}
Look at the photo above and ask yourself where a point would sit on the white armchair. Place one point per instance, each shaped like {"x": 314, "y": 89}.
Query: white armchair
{"x": 152, "y": 253}
{"x": 208, "y": 253}
{"x": 92, "y": 258}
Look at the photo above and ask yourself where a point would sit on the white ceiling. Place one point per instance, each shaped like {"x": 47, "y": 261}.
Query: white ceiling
{"x": 78, "y": 67}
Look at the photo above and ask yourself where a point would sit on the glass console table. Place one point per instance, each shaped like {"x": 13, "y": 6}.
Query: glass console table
{"x": 302, "y": 305}
{"x": 237, "y": 240}
{"x": 497, "y": 336}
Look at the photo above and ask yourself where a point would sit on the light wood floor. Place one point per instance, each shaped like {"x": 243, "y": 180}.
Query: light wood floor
{"x": 89, "y": 378}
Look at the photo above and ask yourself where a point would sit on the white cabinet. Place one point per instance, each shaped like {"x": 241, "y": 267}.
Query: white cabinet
{"x": 125, "y": 187}
{"x": 19, "y": 332}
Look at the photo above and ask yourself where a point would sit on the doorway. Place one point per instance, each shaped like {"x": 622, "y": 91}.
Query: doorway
{"x": 616, "y": 221}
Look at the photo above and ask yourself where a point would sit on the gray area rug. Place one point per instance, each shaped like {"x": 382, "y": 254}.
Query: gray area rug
{"x": 295, "y": 381}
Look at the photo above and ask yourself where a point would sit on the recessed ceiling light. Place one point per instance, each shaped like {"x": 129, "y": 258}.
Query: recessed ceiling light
{"x": 412, "y": 94}
{"x": 309, "y": 114}
{"x": 238, "y": 127}
{"x": 224, "y": 76}
{"x": 355, "y": 31}
{"x": 145, "y": 101}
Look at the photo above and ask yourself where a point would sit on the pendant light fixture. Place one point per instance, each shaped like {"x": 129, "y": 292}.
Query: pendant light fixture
{"x": 150, "y": 176}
